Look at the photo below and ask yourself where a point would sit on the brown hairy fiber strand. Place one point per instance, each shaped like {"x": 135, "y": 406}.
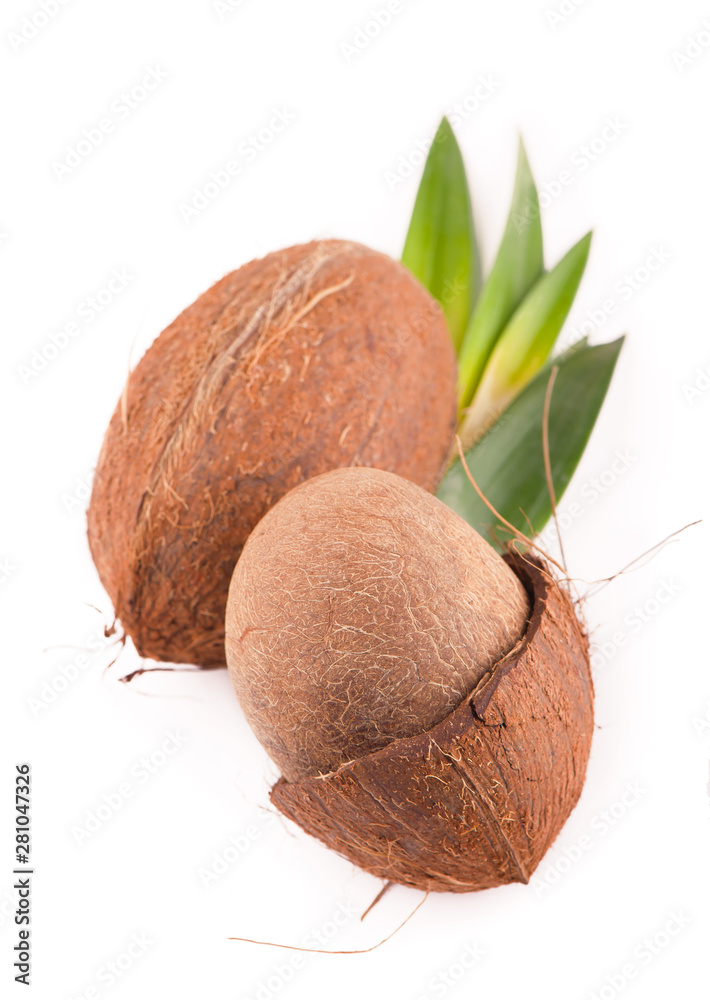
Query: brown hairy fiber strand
{"x": 476, "y": 801}
{"x": 315, "y": 357}
{"x": 361, "y": 611}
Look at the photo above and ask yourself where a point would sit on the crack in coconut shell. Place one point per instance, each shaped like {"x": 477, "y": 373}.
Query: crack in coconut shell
{"x": 477, "y": 800}
{"x": 222, "y": 416}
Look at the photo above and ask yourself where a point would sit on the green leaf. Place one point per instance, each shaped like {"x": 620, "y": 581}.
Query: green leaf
{"x": 526, "y": 342}
{"x": 440, "y": 249}
{"x": 507, "y": 462}
{"x": 517, "y": 267}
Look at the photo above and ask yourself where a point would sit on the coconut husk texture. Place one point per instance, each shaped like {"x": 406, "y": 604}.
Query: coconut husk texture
{"x": 362, "y": 610}
{"x": 476, "y": 801}
{"x": 316, "y": 357}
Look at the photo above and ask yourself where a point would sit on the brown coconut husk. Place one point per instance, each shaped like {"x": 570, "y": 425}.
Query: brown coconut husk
{"x": 363, "y": 610}
{"x": 316, "y": 357}
{"x": 476, "y": 801}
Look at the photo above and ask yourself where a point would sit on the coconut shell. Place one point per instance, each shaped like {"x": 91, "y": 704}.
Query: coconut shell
{"x": 313, "y": 358}
{"x": 476, "y": 801}
{"x": 362, "y": 610}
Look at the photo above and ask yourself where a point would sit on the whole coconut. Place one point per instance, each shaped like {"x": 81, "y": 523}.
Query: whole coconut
{"x": 313, "y": 358}
{"x": 362, "y": 610}
{"x": 429, "y": 704}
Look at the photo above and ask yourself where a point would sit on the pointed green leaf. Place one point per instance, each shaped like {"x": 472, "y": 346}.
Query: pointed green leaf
{"x": 526, "y": 342}
{"x": 440, "y": 249}
{"x": 517, "y": 267}
{"x": 508, "y": 464}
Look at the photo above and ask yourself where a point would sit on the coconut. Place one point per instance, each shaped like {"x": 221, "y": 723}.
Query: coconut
{"x": 429, "y": 703}
{"x": 361, "y": 611}
{"x": 313, "y": 358}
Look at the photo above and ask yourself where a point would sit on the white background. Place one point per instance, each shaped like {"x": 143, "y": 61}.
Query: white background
{"x": 358, "y": 120}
